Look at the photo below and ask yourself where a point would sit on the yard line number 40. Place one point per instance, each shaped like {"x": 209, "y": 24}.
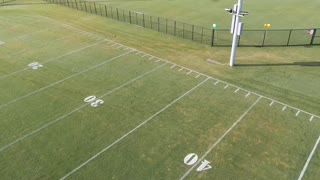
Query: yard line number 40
{"x": 192, "y": 158}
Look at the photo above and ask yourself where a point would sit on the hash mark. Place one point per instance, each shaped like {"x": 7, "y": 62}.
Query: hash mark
{"x": 248, "y": 95}
{"x": 226, "y": 86}
{"x": 311, "y": 118}
{"x": 236, "y": 90}
{"x": 181, "y": 69}
{"x": 189, "y": 72}
{"x": 198, "y": 76}
{"x": 297, "y": 114}
{"x": 271, "y": 103}
{"x": 173, "y": 66}
{"x": 216, "y": 83}
{"x": 284, "y": 108}
{"x": 158, "y": 60}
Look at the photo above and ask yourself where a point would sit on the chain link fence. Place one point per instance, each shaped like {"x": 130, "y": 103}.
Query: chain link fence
{"x": 212, "y": 37}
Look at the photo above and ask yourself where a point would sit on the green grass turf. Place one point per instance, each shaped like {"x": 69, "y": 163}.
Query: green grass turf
{"x": 267, "y": 143}
{"x": 280, "y": 14}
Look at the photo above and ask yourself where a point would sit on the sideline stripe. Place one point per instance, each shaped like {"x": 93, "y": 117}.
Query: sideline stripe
{"x": 309, "y": 159}
{"x": 51, "y": 59}
{"x": 46, "y": 87}
{"x": 134, "y": 129}
{"x": 77, "y": 109}
{"x": 221, "y": 138}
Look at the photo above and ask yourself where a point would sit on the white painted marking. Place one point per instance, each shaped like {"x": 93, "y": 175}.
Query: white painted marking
{"x": 198, "y": 76}
{"x": 77, "y": 109}
{"x": 309, "y": 159}
{"x": 190, "y": 72}
{"x": 57, "y": 82}
{"x": 236, "y": 90}
{"x": 144, "y": 55}
{"x": 297, "y": 114}
{"x": 134, "y": 129}
{"x": 284, "y": 108}
{"x": 151, "y": 57}
{"x": 248, "y": 95}
{"x": 35, "y": 65}
{"x": 190, "y": 159}
{"x": 119, "y": 47}
{"x": 173, "y": 66}
{"x": 221, "y": 138}
{"x": 216, "y": 83}
{"x": 311, "y": 118}
{"x": 271, "y": 103}
{"x": 158, "y": 60}
{"x": 181, "y": 69}
{"x": 2, "y": 43}
{"x": 226, "y": 86}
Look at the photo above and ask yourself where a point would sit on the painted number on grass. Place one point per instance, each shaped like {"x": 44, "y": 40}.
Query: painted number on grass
{"x": 94, "y": 102}
{"x": 35, "y": 65}
{"x": 192, "y": 158}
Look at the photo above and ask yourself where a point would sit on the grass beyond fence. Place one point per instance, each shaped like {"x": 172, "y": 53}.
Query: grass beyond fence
{"x": 212, "y": 37}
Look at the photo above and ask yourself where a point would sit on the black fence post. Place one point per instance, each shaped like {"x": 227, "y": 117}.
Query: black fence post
{"x": 118, "y": 14}
{"x": 175, "y": 27}
{"x": 85, "y": 5}
{"x": 95, "y": 8}
{"x": 151, "y": 22}
{"x": 111, "y": 13}
{"x": 212, "y": 37}
{"x": 76, "y": 4}
{"x": 158, "y": 24}
{"x": 68, "y": 3}
{"x": 183, "y": 30}
{"x": 313, "y": 36}
{"x": 124, "y": 18}
{"x": 166, "y": 26}
{"x": 137, "y": 22}
{"x": 289, "y": 37}
{"x": 106, "y": 10}
{"x": 144, "y": 25}
{"x": 192, "y": 32}
{"x": 201, "y": 34}
{"x": 264, "y": 37}
{"x": 130, "y": 17}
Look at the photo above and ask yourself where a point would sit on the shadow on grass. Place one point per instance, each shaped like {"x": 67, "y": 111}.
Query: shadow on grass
{"x": 284, "y": 64}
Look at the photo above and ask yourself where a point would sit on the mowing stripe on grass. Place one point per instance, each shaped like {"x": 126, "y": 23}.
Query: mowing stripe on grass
{"x": 40, "y": 44}
{"x": 77, "y": 109}
{"x": 21, "y": 25}
{"x": 51, "y": 59}
{"x": 221, "y": 138}
{"x": 237, "y": 87}
{"x": 69, "y": 77}
{"x": 133, "y": 130}
{"x": 309, "y": 159}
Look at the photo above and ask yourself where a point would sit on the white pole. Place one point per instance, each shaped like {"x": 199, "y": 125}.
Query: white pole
{"x": 235, "y": 35}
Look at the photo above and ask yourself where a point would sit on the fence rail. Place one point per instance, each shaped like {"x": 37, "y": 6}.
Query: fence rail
{"x": 212, "y": 37}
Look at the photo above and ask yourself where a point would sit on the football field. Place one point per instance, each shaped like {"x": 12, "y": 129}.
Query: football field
{"x": 75, "y": 105}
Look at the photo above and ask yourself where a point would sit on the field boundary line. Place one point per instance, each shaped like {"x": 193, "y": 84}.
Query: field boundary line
{"x": 231, "y": 85}
{"x": 77, "y": 109}
{"x": 221, "y": 138}
{"x": 133, "y": 130}
{"x": 55, "y": 58}
{"x": 309, "y": 159}
{"x": 69, "y": 77}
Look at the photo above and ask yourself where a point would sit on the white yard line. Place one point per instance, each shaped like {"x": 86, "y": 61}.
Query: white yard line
{"x": 77, "y": 109}
{"x": 69, "y": 77}
{"x": 221, "y": 138}
{"x": 309, "y": 159}
{"x": 51, "y": 59}
{"x": 133, "y": 130}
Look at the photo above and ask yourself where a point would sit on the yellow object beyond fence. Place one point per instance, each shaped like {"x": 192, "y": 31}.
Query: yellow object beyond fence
{"x": 266, "y": 25}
